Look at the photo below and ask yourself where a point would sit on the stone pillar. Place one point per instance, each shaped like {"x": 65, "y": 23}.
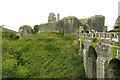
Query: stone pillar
{"x": 85, "y": 61}
{"x": 101, "y": 67}
{"x": 58, "y": 17}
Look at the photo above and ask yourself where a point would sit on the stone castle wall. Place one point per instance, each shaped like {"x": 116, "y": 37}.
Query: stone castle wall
{"x": 68, "y": 26}
{"x": 96, "y": 23}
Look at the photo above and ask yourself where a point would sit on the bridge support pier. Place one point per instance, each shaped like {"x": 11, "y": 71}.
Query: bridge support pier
{"x": 102, "y": 66}
{"x": 90, "y": 57}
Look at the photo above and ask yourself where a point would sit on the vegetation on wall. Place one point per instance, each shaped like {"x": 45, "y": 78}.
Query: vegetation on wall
{"x": 93, "y": 42}
{"x": 115, "y": 30}
{"x": 82, "y": 41}
{"x": 96, "y": 41}
{"x": 114, "y": 51}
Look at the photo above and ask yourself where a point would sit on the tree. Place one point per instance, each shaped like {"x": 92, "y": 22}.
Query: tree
{"x": 36, "y": 29}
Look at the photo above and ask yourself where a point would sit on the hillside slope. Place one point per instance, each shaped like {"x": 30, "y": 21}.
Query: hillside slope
{"x": 7, "y": 33}
{"x": 45, "y": 55}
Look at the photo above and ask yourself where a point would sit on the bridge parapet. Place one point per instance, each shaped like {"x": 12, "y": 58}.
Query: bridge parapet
{"x": 112, "y": 36}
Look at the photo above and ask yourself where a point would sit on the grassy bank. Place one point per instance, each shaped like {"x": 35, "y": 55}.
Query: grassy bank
{"x": 45, "y": 55}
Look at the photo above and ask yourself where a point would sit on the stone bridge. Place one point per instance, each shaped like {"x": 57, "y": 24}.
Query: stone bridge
{"x": 101, "y": 54}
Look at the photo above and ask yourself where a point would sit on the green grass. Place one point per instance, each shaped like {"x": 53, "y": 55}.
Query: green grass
{"x": 45, "y": 55}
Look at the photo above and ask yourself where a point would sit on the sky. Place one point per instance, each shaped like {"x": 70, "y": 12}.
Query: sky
{"x": 15, "y": 13}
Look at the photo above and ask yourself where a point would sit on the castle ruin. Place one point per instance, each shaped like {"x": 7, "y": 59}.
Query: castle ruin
{"x": 71, "y": 25}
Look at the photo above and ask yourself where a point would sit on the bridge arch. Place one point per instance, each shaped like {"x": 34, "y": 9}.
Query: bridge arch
{"x": 114, "y": 68}
{"x": 91, "y": 58}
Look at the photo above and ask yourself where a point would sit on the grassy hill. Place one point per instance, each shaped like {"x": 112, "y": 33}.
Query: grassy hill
{"x": 8, "y": 30}
{"x": 7, "y": 33}
{"x": 45, "y": 55}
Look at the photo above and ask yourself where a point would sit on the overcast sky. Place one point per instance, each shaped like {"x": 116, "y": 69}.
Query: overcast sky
{"x": 15, "y": 13}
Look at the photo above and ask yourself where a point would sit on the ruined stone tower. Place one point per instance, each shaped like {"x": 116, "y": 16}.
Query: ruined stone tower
{"x": 51, "y": 17}
{"x": 117, "y": 23}
{"x": 119, "y": 8}
{"x": 58, "y": 16}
